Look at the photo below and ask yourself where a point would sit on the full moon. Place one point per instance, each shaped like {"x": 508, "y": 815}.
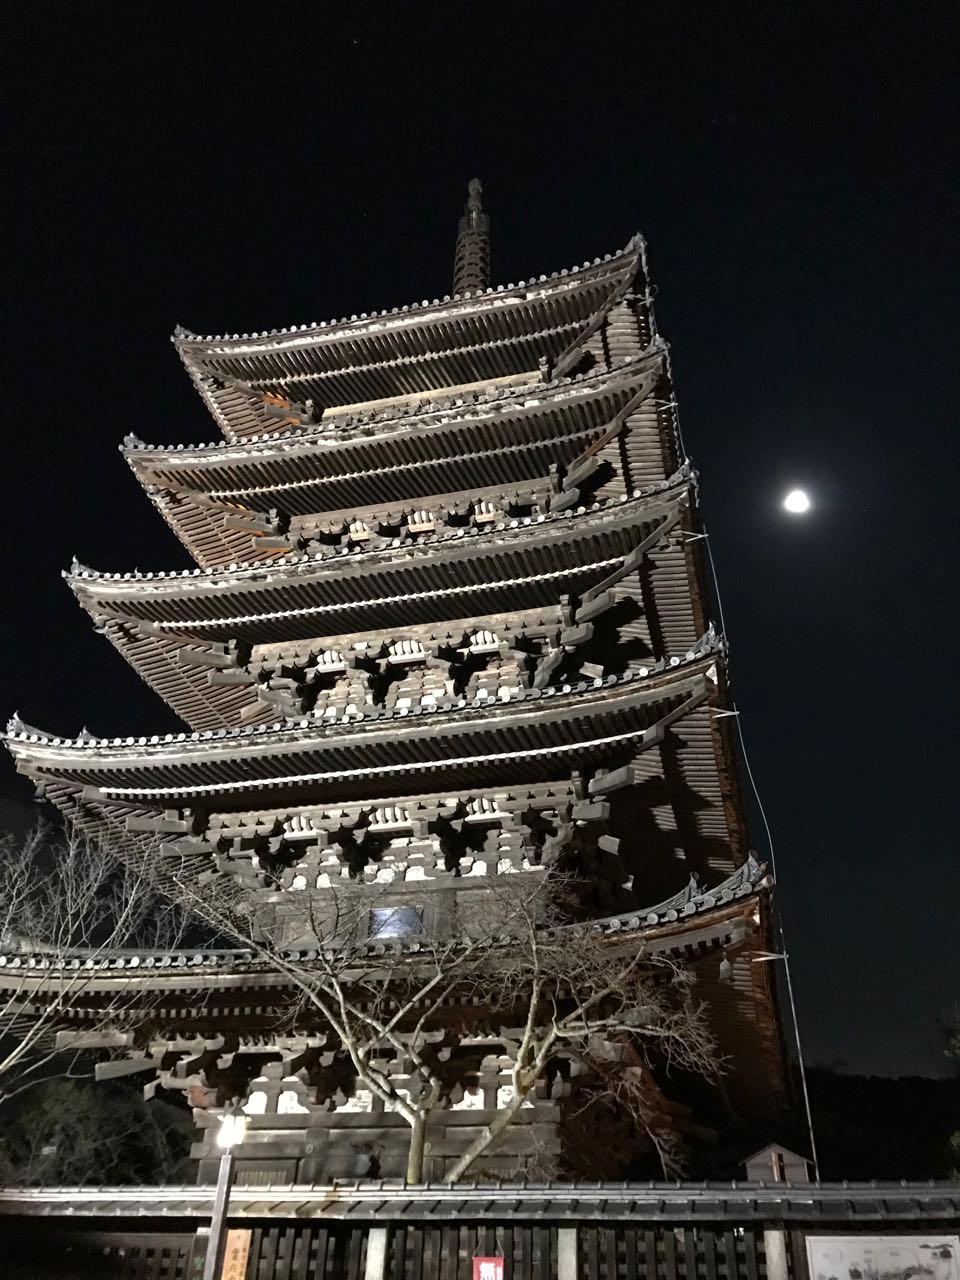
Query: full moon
{"x": 796, "y": 502}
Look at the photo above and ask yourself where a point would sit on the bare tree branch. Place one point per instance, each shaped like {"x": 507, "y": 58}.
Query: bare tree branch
{"x": 571, "y": 990}
{"x": 66, "y": 904}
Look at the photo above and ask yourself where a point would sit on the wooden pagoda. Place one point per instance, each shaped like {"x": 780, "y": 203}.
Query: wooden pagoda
{"x": 449, "y": 578}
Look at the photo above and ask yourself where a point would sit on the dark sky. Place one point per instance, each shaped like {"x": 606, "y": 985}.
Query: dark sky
{"x": 791, "y": 165}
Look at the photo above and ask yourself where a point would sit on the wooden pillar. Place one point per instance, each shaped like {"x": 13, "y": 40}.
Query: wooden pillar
{"x": 567, "y": 1254}
{"x": 775, "y": 1249}
{"x": 376, "y": 1268}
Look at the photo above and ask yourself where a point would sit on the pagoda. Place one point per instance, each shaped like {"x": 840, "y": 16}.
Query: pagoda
{"x": 449, "y": 604}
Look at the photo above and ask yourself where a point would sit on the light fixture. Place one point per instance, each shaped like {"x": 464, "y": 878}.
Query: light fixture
{"x": 232, "y": 1131}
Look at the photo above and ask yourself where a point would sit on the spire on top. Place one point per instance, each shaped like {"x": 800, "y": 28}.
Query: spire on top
{"x": 471, "y": 264}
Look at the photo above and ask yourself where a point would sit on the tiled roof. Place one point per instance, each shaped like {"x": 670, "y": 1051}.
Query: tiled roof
{"x": 565, "y": 1203}
{"x": 185, "y": 338}
{"x": 693, "y": 901}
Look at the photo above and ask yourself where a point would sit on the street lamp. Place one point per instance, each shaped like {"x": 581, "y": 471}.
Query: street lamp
{"x": 233, "y": 1128}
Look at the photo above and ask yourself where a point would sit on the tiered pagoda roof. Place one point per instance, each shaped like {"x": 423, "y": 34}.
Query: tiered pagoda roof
{"x": 511, "y": 446}
{"x": 448, "y": 621}
{"x": 501, "y": 335}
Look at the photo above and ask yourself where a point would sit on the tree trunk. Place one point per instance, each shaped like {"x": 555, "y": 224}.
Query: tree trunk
{"x": 487, "y": 1136}
{"x": 418, "y": 1134}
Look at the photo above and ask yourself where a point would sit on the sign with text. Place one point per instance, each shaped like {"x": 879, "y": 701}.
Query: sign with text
{"x": 235, "y": 1255}
{"x": 887, "y": 1257}
{"x": 488, "y": 1269}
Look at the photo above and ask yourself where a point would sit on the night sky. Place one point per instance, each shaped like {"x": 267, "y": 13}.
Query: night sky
{"x": 791, "y": 165}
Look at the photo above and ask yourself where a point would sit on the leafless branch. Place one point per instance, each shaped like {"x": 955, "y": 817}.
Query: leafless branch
{"x": 569, "y": 989}
{"x": 66, "y": 903}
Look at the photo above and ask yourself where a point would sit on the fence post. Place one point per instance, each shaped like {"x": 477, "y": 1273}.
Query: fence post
{"x": 567, "y": 1254}
{"x": 775, "y": 1249}
{"x": 376, "y": 1268}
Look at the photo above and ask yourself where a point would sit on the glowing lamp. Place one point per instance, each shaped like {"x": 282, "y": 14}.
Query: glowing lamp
{"x": 232, "y": 1131}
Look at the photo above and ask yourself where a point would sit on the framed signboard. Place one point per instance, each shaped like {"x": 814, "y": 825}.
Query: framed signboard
{"x": 235, "y": 1254}
{"x": 926, "y": 1257}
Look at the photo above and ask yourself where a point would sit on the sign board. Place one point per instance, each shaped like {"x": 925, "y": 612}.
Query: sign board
{"x": 236, "y": 1251}
{"x": 488, "y": 1269}
{"x": 894, "y": 1257}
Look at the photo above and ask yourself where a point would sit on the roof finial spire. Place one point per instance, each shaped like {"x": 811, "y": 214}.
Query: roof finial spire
{"x": 471, "y": 264}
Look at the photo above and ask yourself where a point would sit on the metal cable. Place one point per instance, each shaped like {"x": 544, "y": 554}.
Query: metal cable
{"x": 778, "y": 915}
{"x": 784, "y": 954}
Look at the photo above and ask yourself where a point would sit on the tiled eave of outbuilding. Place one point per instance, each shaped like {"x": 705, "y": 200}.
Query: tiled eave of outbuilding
{"x": 519, "y": 563}
{"x": 933, "y": 1207}
{"x": 458, "y": 341}
{"x": 541, "y": 734}
{"x": 497, "y": 441}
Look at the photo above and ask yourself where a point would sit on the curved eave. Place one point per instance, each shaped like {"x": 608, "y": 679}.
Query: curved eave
{"x": 459, "y": 342}
{"x": 449, "y": 575}
{"x": 387, "y": 429}
{"x": 202, "y": 492}
{"x": 495, "y": 299}
{"x": 541, "y": 732}
{"x": 712, "y": 919}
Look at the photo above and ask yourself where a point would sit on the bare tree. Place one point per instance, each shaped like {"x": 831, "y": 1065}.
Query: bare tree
{"x": 553, "y": 989}
{"x": 66, "y": 903}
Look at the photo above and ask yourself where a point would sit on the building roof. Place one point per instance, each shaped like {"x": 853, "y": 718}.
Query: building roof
{"x": 481, "y": 444}
{"x": 534, "y": 547}
{"x": 176, "y": 628}
{"x": 696, "y": 914}
{"x": 600, "y": 718}
{"x": 826, "y": 1204}
{"x": 499, "y": 333}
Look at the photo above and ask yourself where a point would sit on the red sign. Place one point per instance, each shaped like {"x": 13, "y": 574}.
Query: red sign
{"x": 488, "y": 1269}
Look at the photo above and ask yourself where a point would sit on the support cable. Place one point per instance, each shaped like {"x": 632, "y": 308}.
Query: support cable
{"x": 673, "y": 406}
{"x": 785, "y": 955}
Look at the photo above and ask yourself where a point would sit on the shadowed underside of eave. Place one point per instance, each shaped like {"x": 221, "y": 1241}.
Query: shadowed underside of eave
{"x": 205, "y": 667}
{"x": 662, "y": 749}
{"x": 222, "y": 502}
{"x": 609, "y": 719}
{"x": 463, "y": 341}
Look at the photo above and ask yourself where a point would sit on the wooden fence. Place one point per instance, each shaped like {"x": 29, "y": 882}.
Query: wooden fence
{"x": 379, "y": 1232}
{"x": 420, "y": 1251}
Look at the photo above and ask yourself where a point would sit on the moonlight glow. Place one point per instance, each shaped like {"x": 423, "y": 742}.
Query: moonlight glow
{"x": 796, "y": 502}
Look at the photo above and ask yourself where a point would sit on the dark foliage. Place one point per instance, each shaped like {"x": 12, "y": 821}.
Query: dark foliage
{"x": 870, "y": 1127}
{"x": 77, "y": 1133}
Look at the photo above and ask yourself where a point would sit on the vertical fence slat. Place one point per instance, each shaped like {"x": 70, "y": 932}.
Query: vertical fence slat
{"x": 464, "y": 1254}
{"x": 319, "y": 1250}
{"x": 300, "y": 1258}
{"x": 650, "y": 1253}
{"x": 590, "y": 1244}
{"x": 690, "y": 1253}
{"x": 670, "y": 1255}
{"x": 526, "y": 1254}
{"x": 730, "y": 1254}
{"x": 751, "y": 1264}
{"x": 396, "y": 1246}
{"x": 709, "y": 1240}
{"x": 537, "y": 1245}
{"x": 415, "y": 1237}
{"x": 355, "y": 1253}
{"x": 611, "y": 1247}
{"x": 796, "y": 1254}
